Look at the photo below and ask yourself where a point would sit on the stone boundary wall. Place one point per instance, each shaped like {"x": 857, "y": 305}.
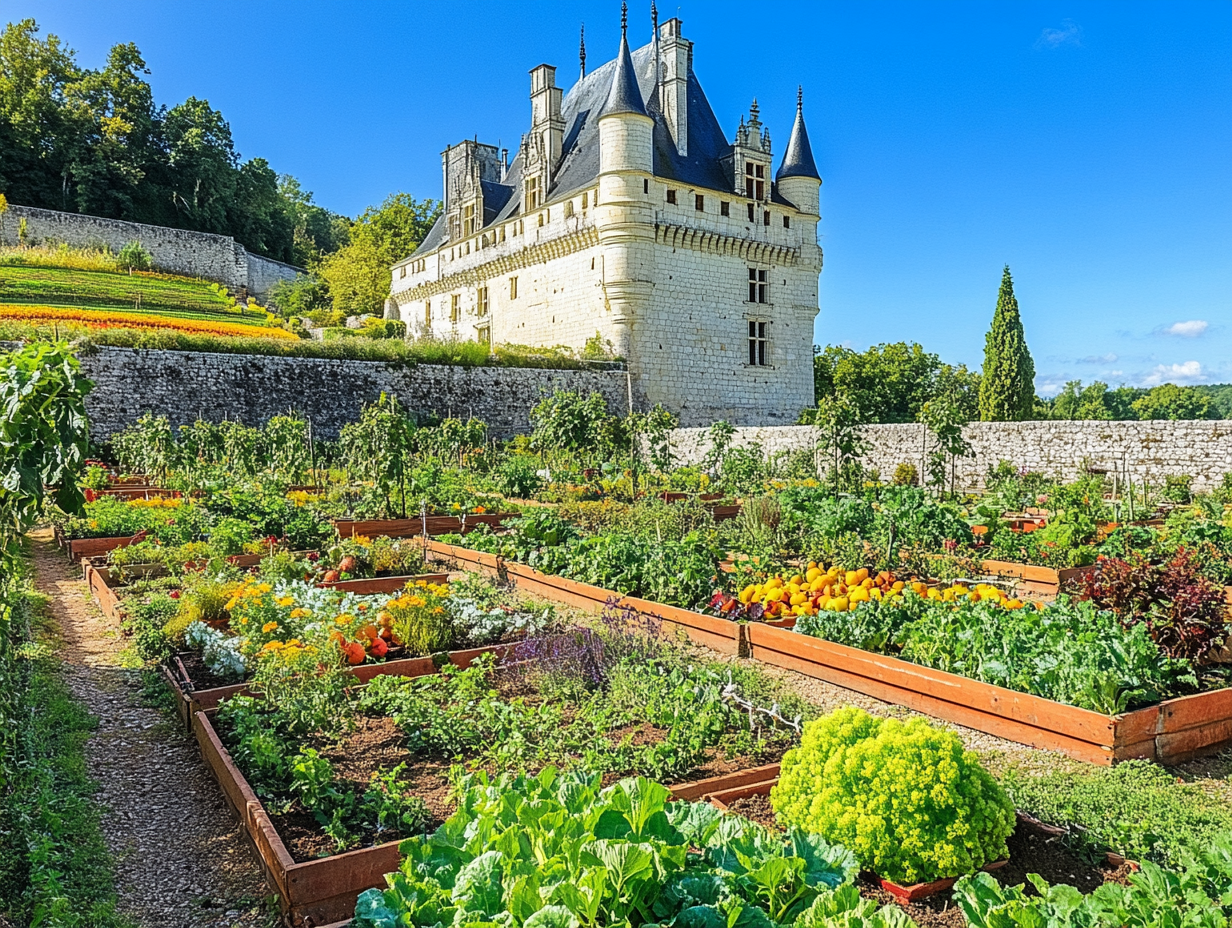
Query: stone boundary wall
{"x": 1145, "y": 451}
{"x": 183, "y": 385}
{"x": 217, "y": 258}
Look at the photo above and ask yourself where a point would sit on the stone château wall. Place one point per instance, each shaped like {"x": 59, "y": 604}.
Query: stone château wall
{"x": 183, "y": 385}
{"x": 217, "y": 258}
{"x": 1143, "y": 451}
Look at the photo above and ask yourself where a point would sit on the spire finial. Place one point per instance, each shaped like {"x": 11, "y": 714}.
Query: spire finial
{"x": 624, "y": 17}
{"x": 654, "y": 20}
{"x": 754, "y": 111}
{"x": 799, "y": 98}
{"x": 582, "y": 50}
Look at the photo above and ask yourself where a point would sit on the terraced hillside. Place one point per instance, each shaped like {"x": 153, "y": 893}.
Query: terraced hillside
{"x": 138, "y": 292}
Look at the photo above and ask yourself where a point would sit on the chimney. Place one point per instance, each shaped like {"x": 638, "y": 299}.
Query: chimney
{"x": 504, "y": 164}
{"x": 547, "y": 124}
{"x": 677, "y": 54}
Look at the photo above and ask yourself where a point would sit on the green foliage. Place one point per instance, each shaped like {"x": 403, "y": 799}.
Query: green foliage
{"x": 945, "y": 421}
{"x": 557, "y": 851}
{"x": 357, "y": 274}
{"x": 376, "y": 448}
{"x": 94, "y": 141}
{"x": 1007, "y": 383}
{"x": 1169, "y": 401}
{"x": 840, "y": 439}
{"x": 134, "y": 257}
{"x": 1197, "y": 896}
{"x": 909, "y": 801}
{"x": 302, "y": 297}
{"x": 1069, "y": 651}
{"x": 55, "y": 867}
{"x": 566, "y": 422}
{"x": 1135, "y": 809}
{"x": 891, "y": 382}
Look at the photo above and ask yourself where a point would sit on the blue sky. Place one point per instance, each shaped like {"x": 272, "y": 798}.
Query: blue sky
{"x": 1087, "y": 145}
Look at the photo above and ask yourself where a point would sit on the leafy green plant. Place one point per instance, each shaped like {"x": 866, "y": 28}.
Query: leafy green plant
{"x": 906, "y": 798}
{"x": 557, "y": 851}
{"x": 1135, "y": 809}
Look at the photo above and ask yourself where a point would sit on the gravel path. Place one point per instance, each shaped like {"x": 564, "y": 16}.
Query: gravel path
{"x": 181, "y": 861}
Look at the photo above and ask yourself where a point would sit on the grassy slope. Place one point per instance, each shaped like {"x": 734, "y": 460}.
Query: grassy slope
{"x": 161, "y": 295}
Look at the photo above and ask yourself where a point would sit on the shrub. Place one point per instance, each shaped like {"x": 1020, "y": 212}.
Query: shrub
{"x": 134, "y": 257}
{"x": 906, "y": 475}
{"x": 906, "y": 797}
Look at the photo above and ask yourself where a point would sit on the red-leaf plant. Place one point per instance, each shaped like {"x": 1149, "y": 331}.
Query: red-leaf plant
{"x": 1183, "y": 610}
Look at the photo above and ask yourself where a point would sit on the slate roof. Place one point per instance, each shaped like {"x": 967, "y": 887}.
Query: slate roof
{"x": 579, "y": 164}
{"x": 798, "y": 159}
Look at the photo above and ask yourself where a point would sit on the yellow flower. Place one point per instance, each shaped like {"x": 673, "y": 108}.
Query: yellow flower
{"x": 269, "y": 627}
{"x": 299, "y": 613}
{"x": 285, "y": 601}
{"x": 264, "y": 588}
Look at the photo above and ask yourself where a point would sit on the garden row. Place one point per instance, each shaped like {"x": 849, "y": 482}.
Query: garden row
{"x": 314, "y": 765}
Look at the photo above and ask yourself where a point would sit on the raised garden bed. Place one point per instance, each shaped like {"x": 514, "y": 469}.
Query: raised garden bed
{"x": 374, "y": 585}
{"x": 325, "y": 889}
{"x": 1035, "y": 582}
{"x": 410, "y": 528}
{"x": 207, "y": 692}
{"x": 1170, "y": 732}
{"x": 714, "y": 633}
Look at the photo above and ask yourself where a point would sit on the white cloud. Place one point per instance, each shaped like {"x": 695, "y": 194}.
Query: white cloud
{"x": 1191, "y": 329}
{"x": 1184, "y": 373}
{"x": 1109, "y": 358}
{"x": 1050, "y": 385}
{"x": 1070, "y": 33}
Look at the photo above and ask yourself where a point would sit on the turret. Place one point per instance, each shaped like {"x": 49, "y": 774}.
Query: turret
{"x": 797, "y": 178}
{"x": 624, "y": 217}
{"x": 677, "y": 53}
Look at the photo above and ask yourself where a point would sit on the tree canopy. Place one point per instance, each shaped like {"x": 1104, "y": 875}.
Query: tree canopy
{"x": 892, "y": 382}
{"x": 95, "y": 142}
{"x": 1007, "y": 382}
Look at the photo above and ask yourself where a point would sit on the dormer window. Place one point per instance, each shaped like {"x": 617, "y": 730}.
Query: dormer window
{"x": 754, "y": 181}
{"x": 468, "y": 220}
{"x": 532, "y": 193}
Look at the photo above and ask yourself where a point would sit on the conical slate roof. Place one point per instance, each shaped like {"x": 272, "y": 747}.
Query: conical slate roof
{"x": 624, "y": 97}
{"x": 798, "y": 159}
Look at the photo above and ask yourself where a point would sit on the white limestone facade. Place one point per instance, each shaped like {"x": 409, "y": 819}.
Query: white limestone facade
{"x": 627, "y": 215}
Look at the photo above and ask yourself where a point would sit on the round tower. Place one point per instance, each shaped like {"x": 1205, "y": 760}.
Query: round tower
{"x": 797, "y": 178}
{"x": 624, "y": 217}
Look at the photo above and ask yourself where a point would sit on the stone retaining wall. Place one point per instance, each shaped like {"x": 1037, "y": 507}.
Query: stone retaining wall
{"x": 1144, "y": 451}
{"x": 217, "y": 258}
{"x": 183, "y": 385}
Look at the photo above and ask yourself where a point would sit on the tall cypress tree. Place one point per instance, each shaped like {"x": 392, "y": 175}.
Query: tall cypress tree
{"x": 1007, "y": 387}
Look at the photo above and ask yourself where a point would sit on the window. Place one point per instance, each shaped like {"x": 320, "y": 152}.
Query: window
{"x": 513, "y": 288}
{"x": 758, "y": 285}
{"x": 541, "y": 220}
{"x": 724, "y": 208}
{"x": 484, "y": 335}
{"x": 568, "y": 208}
{"x": 786, "y": 222}
{"x": 754, "y": 181}
{"x": 427, "y": 313}
{"x": 585, "y": 200}
{"x": 751, "y": 219}
{"x": 757, "y": 343}
{"x": 483, "y": 302}
{"x": 468, "y": 220}
{"x": 502, "y": 234}
{"x": 699, "y": 203}
{"x": 532, "y": 193}
{"x": 765, "y": 218}
{"x": 454, "y": 307}
{"x": 671, "y": 196}
{"x": 646, "y": 185}
{"x": 402, "y": 271}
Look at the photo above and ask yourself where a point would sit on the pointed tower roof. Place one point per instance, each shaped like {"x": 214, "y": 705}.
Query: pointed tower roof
{"x": 625, "y": 96}
{"x": 798, "y": 159}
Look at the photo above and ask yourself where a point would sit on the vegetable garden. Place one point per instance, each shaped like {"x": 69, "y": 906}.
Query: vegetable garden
{"x": 561, "y": 681}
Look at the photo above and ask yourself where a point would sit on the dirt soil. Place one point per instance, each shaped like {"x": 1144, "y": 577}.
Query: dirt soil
{"x": 181, "y": 860}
